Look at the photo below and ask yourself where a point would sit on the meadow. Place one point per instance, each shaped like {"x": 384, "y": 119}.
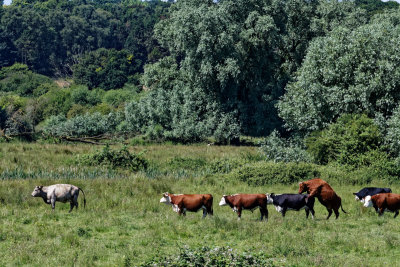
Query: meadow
{"x": 125, "y": 225}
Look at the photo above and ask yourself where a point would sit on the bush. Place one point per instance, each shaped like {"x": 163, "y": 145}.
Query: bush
{"x": 205, "y": 256}
{"x": 278, "y": 149}
{"x": 83, "y": 96}
{"x": 20, "y": 80}
{"x": 116, "y": 98}
{"x": 121, "y": 158}
{"x": 263, "y": 173}
{"x": 345, "y": 141}
{"x": 81, "y": 126}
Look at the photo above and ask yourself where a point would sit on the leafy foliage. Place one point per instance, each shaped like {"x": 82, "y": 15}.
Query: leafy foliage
{"x": 82, "y": 125}
{"x": 205, "y": 256}
{"x": 121, "y": 158}
{"x": 350, "y": 140}
{"x": 346, "y": 72}
{"x": 278, "y": 149}
{"x": 106, "y": 69}
{"x": 19, "y": 80}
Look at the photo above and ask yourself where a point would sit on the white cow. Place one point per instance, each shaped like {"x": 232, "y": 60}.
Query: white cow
{"x": 59, "y": 192}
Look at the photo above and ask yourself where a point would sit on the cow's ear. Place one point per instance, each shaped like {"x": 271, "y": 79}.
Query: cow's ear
{"x": 355, "y": 194}
{"x": 40, "y": 187}
{"x": 300, "y": 183}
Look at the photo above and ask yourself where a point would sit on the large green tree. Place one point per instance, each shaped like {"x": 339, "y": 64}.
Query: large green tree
{"x": 348, "y": 71}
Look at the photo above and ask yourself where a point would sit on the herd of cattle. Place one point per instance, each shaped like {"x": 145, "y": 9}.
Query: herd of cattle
{"x": 382, "y": 199}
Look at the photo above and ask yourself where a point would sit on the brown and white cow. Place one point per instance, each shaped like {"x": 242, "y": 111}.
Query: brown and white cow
{"x": 239, "y": 202}
{"x": 185, "y": 202}
{"x": 384, "y": 202}
{"x": 323, "y": 191}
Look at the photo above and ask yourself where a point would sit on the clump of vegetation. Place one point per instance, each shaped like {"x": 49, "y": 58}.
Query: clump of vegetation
{"x": 276, "y": 148}
{"x": 121, "y": 158}
{"x": 205, "y": 256}
{"x": 81, "y": 126}
{"x": 352, "y": 140}
{"x": 263, "y": 173}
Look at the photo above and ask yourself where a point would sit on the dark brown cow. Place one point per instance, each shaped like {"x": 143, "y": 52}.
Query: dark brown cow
{"x": 239, "y": 202}
{"x": 323, "y": 191}
{"x": 184, "y": 202}
{"x": 384, "y": 202}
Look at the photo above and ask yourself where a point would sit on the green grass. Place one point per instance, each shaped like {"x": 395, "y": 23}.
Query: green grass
{"x": 124, "y": 223}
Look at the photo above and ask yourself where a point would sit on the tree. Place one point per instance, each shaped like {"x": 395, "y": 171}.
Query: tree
{"x": 106, "y": 69}
{"x": 348, "y": 71}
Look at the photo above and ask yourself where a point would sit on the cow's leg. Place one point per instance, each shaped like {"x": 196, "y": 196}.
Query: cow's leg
{"x": 381, "y": 210}
{"x": 204, "y": 213}
{"x": 396, "y": 213}
{"x": 53, "y": 203}
{"x": 336, "y": 213}
{"x": 71, "y": 204}
{"x": 307, "y": 212}
{"x": 264, "y": 212}
{"x": 312, "y": 213}
{"x": 329, "y": 213}
{"x": 239, "y": 213}
{"x": 76, "y": 201}
{"x": 284, "y": 212}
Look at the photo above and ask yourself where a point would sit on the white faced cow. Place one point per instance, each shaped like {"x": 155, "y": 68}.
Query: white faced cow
{"x": 189, "y": 202}
{"x": 239, "y": 202}
{"x": 59, "y": 192}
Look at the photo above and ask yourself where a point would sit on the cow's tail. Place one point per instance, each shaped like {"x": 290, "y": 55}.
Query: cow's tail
{"x": 341, "y": 207}
{"x": 84, "y": 198}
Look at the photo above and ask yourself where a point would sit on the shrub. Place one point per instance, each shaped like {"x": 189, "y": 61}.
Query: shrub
{"x": 19, "y": 80}
{"x": 116, "y": 98}
{"x": 392, "y": 138}
{"x": 278, "y": 149}
{"x": 55, "y": 102}
{"x": 121, "y": 158}
{"x": 205, "y": 256}
{"x": 83, "y": 125}
{"x": 83, "y": 96}
{"x": 263, "y": 173}
{"x": 345, "y": 141}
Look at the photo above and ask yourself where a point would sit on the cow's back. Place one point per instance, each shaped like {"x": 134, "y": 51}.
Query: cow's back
{"x": 63, "y": 192}
{"x": 250, "y": 200}
{"x": 194, "y": 202}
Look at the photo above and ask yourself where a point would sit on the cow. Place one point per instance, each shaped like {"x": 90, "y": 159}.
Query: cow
{"x": 370, "y": 191}
{"x": 384, "y": 202}
{"x": 284, "y": 202}
{"x": 239, "y": 202}
{"x": 323, "y": 191}
{"x": 185, "y": 202}
{"x": 59, "y": 192}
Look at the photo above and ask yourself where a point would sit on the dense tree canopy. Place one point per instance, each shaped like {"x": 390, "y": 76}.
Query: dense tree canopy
{"x": 348, "y": 71}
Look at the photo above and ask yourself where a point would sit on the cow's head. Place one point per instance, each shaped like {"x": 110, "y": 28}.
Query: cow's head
{"x": 270, "y": 198}
{"x": 223, "y": 201}
{"x": 37, "y": 191}
{"x": 166, "y": 198}
{"x": 357, "y": 197}
{"x": 367, "y": 202}
{"x": 302, "y": 187}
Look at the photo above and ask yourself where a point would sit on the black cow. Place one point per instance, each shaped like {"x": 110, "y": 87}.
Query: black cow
{"x": 296, "y": 202}
{"x": 370, "y": 191}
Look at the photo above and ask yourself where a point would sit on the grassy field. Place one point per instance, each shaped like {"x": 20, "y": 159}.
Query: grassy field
{"x": 124, "y": 224}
